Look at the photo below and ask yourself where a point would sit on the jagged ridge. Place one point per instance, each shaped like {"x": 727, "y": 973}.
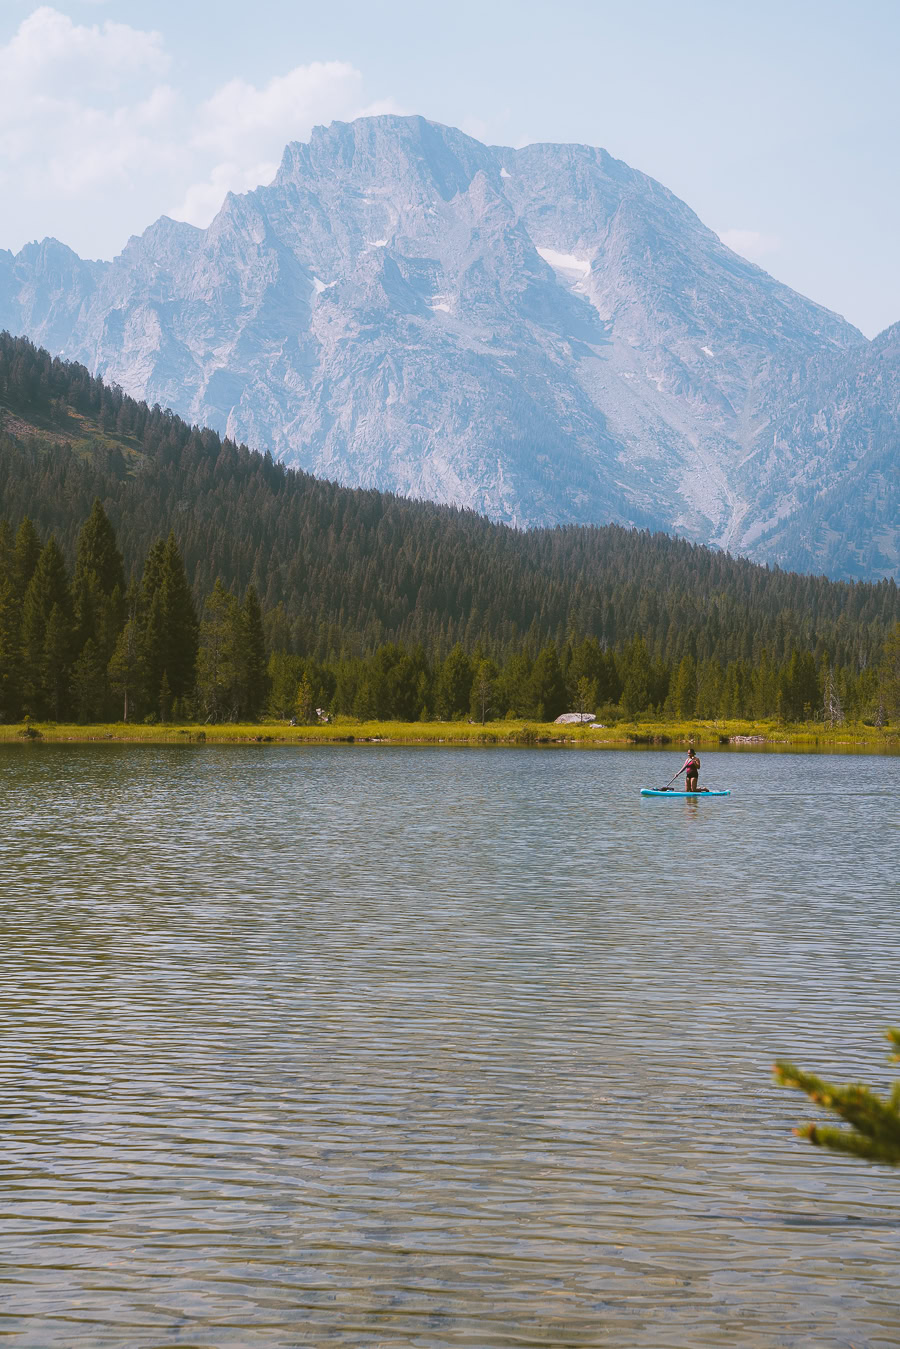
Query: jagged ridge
{"x": 545, "y": 335}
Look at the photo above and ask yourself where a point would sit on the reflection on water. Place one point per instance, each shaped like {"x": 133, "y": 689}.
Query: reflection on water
{"x": 381, "y": 1046}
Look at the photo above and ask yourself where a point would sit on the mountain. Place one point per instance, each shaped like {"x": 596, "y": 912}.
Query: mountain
{"x": 832, "y": 427}
{"x": 543, "y": 335}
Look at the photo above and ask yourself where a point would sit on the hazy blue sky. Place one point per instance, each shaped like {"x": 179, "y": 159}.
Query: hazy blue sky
{"x": 777, "y": 122}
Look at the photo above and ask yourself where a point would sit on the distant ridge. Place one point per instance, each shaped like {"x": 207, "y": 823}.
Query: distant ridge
{"x": 543, "y": 335}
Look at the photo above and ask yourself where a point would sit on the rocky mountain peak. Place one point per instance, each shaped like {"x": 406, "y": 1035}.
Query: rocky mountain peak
{"x": 544, "y": 334}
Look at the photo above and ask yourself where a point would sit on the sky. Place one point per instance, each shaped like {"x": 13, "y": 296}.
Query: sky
{"x": 776, "y": 122}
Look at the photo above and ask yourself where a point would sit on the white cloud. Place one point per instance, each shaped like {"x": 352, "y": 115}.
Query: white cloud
{"x": 82, "y": 108}
{"x": 95, "y": 143}
{"x": 202, "y": 200}
{"x": 750, "y": 243}
{"x": 49, "y": 54}
{"x": 241, "y": 117}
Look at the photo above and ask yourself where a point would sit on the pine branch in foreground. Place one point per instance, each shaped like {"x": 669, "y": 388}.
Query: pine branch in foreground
{"x": 874, "y": 1132}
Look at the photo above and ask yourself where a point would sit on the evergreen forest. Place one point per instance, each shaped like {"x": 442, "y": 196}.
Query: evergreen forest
{"x": 153, "y": 570}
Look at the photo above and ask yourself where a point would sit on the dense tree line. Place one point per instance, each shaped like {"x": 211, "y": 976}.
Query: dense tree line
{"x": 90, "y": 646}
{"x": 377, "y": 592}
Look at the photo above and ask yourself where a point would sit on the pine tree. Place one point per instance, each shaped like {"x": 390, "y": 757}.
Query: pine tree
{"x": 304, "y": 704}
{"x": 347, "y": 678}
{"x": 88, "y": 683}
{"x": 875, "y": 1123}
{"x": 587, "y": 663}
{"x": 26, "y": 551}
{"x": 734, "y": 699}
{"x": 98, "y": 553}
{"x": 454, "y": 685}
{"x": 10, "y": 650}
{"x": 97, "y": 588}
{"x": 548, "y": 690}
{"x": 56, "y": 659}
{"x": 684, "y": 690}
{"x": 251, "y": 657}
{"x": 585, "y": 696}
{"x": 123, "y": 670}
{"x": 150, "y": 619}
{"x": 282, "y": 676}
{"x": 483, "y": 689}
{"x": 408, "y": 683}
{"x": 636, "y": 684}
{"x": 168, "y": 630}
{"x": 165, "y": 698}
{"x": 764, "y": 687}
{"x": 799, "y": 694}
{"x": 278, "y": 629}
{"x": 46, "y": 663}
{"x": 179, "y": 622}
{"x": 217, "y": 670}
{"x": 710, "y": 678}
{"x": 153, "y": 652}
{"x": 7, "y": 554}
{"x": 370, "y": 700}
{"x": 889, "y": 676}
{"x": 513, "y": 691}
{"x": 151, "y": 579}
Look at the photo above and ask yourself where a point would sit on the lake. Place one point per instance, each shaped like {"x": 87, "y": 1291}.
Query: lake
{"x": 414, "y": 1046}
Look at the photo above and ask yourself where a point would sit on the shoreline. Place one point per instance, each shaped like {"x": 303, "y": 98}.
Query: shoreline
{"x": 855, "y": 738}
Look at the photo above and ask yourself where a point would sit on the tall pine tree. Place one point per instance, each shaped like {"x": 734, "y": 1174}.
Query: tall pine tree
{"x": 26, "y": 551}
{"x": 180, "y": 624}
{"x": 217, "y": 665}
{"x": 47, "y": 635}
{"x": 10, "y": 647}
{"x": 251, "y": 657}
{"x": 97, "y": 588}
{"x": 167, "y": 625}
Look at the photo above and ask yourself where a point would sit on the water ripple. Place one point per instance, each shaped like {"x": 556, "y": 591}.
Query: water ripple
{"x": 436, "y": 1047}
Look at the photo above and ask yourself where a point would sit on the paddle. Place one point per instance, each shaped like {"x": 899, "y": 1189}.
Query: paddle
{"x": 671, "y": 780}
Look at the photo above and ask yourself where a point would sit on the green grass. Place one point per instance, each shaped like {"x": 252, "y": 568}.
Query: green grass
{"x": 809, "y": 735}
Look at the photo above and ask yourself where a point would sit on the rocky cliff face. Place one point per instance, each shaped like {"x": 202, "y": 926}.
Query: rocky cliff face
{"x": 545, "y": 335}
{"x": 827, "y": 457}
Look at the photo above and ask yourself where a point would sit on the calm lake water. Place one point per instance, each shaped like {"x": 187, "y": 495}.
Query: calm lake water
{"x": 378, "y": 1046}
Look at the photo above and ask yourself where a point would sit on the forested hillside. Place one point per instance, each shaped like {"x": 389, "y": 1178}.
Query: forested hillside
{"x": 337, "y": 573}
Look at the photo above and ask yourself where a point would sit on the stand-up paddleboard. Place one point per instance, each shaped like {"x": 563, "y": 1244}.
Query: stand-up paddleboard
{"x": 660, "y": 791}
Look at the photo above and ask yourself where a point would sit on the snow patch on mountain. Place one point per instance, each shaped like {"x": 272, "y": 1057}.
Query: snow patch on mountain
{"x": 570, "y": 266}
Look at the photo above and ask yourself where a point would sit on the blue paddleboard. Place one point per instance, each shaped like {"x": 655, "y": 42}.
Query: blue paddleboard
{"x": 658, "y": 791}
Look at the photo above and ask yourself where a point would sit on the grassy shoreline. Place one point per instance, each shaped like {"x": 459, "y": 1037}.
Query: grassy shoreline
{"x": 655, "y": 734}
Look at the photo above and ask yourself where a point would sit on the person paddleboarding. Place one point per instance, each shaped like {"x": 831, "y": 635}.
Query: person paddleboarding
{"x": 691, "y": 769}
